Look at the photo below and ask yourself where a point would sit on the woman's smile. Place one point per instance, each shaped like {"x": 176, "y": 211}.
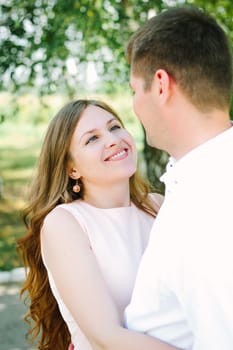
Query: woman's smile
{"x": 118, "y": 155}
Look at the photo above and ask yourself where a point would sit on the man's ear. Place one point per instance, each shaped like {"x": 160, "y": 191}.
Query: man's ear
{"x": 163, "y": 85}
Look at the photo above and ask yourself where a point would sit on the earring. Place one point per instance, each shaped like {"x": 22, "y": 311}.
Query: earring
{"x": 76, "y": 187}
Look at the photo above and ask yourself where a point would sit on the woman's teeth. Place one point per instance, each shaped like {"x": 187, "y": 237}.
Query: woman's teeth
{"x": 117, "y": 155}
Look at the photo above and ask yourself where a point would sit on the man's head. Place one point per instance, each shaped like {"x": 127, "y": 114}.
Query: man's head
{"x": 192, "y": 48}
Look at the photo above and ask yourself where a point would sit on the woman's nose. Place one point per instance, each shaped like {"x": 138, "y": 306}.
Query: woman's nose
{"x": 111, "y": 140}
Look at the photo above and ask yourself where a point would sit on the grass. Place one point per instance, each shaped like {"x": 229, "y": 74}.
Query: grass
{"x": 20, "y": 143}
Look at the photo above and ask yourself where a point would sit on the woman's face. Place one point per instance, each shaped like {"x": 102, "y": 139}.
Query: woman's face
{"x": 103, "y": 152}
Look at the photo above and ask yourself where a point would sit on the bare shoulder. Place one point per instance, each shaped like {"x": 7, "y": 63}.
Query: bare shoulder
{"x": 61, "y": 224}
{"x": 56, "y": 216}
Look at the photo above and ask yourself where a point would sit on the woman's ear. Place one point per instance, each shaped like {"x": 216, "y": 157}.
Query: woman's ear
{"x": 73, "y": 172}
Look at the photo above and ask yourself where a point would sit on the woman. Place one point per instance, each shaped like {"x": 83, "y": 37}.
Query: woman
{"x": 88, "y": 224}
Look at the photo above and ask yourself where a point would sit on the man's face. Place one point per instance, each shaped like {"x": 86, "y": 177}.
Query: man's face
{"x": 145, "y": 107}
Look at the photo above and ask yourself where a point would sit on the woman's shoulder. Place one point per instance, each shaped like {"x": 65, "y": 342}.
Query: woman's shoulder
{"x": 57, "y": 215}
{"x": 63, "y": 209}
{"x": 60, "y": 221}
{"x": 66, "y": 213}
{"x": 157, "y": 199}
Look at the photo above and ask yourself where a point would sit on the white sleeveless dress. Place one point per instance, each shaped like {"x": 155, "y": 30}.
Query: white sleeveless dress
{"x": 118, "y": 237}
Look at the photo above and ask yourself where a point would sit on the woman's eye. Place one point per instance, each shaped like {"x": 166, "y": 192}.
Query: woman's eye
{"x": 114, "y": 127}
{"x": 91, "y": 139}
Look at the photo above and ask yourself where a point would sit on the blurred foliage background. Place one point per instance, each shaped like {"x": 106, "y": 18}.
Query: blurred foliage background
{"x": 52, "y": 51}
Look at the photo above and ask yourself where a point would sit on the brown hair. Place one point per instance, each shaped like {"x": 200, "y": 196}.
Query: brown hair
{"x": 192, "y": 48}
{"x": 52, "y": 186}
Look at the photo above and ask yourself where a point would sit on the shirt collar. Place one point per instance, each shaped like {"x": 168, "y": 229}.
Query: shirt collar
{"x": 176, "y": 169}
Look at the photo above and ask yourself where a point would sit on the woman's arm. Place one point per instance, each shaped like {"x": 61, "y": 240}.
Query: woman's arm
{"x": 80, "y": 283}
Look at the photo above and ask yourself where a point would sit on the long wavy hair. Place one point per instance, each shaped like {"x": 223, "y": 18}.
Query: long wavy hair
{"x": 52, "y": 186}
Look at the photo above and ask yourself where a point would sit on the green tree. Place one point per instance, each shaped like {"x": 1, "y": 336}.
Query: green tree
{"x": 39, "y": 38}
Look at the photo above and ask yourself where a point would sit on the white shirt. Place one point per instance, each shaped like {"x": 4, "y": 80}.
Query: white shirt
{"x": 184, "y": 287}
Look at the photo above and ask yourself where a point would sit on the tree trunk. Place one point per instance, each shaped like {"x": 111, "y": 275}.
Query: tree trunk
{"x": 156, "y": 161}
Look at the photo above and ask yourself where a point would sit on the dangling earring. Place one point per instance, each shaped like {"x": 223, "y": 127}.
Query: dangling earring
{"x": 76, "y": 187}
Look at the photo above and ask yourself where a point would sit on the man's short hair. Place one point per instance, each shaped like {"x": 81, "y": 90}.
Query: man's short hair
{"x": 192, "y": 48}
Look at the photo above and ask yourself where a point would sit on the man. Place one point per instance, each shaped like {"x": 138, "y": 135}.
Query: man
{"x": 181, "y": 76}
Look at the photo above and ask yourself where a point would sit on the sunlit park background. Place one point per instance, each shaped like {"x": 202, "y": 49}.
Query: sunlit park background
{"x": 52, "y": 51}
